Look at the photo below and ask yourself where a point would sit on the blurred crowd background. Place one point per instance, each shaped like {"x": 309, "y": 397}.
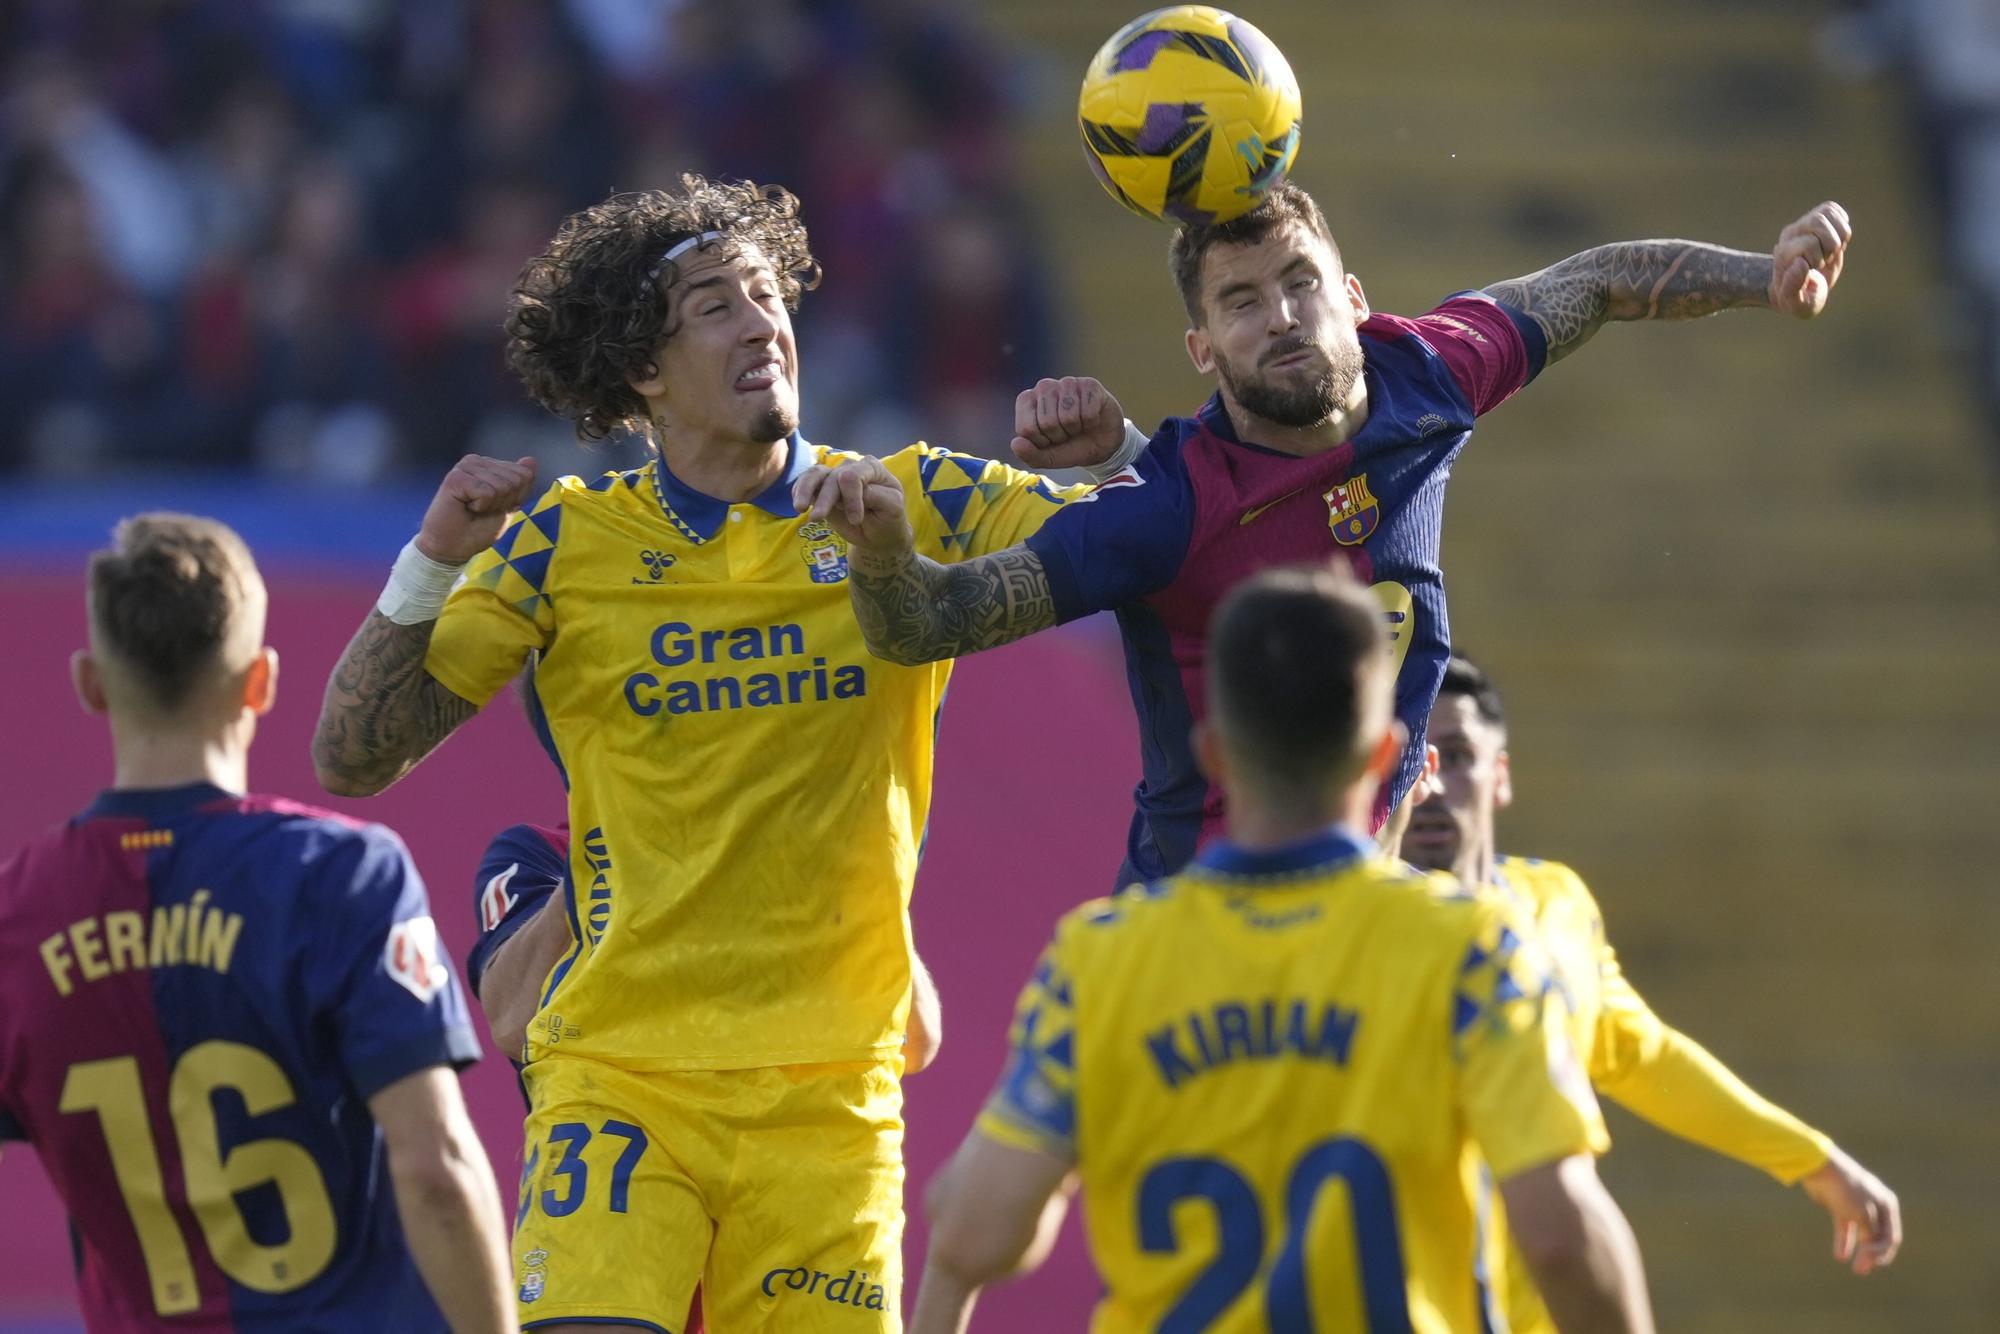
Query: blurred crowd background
{"x": 280, "y": 234}
{"x": 1947, "y": 53}
{"x": 1740, "y": 580}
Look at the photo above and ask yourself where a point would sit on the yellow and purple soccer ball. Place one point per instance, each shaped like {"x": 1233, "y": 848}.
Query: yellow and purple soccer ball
{"x": 1189, "y": 115}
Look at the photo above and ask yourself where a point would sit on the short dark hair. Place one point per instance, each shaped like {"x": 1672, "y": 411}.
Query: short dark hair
{"x": 587, "y": 315}
{"x": 167, "y": 598}
{"x": 1293, "y": 651}
{"x": 1463, "y": 676}
{"x": 1286, "y": 205}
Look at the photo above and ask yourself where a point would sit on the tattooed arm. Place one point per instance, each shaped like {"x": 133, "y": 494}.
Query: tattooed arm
{"x": 1681, "y": 280}
{"x": 383, "y": 711}
{"x": 913, "y": 609}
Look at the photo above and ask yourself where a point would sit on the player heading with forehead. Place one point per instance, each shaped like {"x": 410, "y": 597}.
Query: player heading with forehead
{"x": 1332, "y": 432}
{"x": 1273, "y": 1072}
{"x": 196, "y": 984}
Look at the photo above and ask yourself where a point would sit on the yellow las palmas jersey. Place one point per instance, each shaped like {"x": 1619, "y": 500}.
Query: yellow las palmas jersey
{"x": 748, "y": 786}
{"x": 1277, "y": 1074}
{"x": 1637, "y": 1060}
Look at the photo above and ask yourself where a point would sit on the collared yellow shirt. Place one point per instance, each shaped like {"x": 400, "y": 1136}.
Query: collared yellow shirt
{"x": 748, "y": 785}
{"x": 1638, "y": 1061}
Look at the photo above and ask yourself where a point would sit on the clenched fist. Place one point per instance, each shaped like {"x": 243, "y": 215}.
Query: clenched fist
{"x": 1806, "y": 262}
{"x": 1073, "y": 422}
{"x": 472, "y": 505}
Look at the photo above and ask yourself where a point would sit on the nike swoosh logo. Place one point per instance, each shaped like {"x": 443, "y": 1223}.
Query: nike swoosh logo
{"x": 1250, "y": 515}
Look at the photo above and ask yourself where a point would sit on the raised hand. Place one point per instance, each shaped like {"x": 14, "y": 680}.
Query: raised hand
{"x": 1806, "y": 262}
{"x": 1073, "y": 422}
{"x": 471, "y": 507}
{"x": 862, "y": 501}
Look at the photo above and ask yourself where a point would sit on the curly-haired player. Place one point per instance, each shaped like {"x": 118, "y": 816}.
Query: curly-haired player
{"x": 712, "y": 1065}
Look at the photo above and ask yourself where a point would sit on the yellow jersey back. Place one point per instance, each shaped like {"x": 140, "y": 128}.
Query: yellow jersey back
{"x": 1278, "y": 1074}
{"x": 748, "y": 785}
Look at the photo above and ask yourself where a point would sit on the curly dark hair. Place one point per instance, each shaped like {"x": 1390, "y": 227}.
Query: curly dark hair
{"x": 587, "y": 315}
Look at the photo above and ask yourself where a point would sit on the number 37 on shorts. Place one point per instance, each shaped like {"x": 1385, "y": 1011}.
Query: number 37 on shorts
{"x": 777, "y": 1191}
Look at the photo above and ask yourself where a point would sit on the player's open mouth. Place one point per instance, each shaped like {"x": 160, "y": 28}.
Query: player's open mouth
{"x": 761, "y": 376}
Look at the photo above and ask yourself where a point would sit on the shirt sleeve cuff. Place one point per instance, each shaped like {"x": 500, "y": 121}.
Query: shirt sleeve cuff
{"x": 456, "y": 1047}
{"x": 1012, "y": 1134}
{"x": 1064, "y": 590}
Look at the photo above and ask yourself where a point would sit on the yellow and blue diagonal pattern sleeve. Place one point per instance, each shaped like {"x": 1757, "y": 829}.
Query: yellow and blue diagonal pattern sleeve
{"x": 1522, "y": 1086}
{"x": 503, "y": 608}
{"x": 1035, "y": 1105}
{"x": 971, "y": 506}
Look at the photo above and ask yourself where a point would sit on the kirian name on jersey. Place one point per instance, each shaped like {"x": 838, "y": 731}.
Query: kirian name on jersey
{"x": 678, "y": 644}
{"x": 1261, "y": 1030}
{"x": 183, "y": 933}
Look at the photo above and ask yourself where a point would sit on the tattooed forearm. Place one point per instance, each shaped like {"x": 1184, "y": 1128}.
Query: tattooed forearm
{"x": 914, "y": 610}
{"x": 1635, "y": 280}
{"x": 383, "y": 712}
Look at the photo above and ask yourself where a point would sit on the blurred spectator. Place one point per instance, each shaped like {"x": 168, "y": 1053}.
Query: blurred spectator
{"x": 282, "y": 233}
{"x": 1951, "y": 52}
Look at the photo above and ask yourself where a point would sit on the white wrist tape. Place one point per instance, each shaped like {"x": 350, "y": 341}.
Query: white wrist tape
{"x": 417, "y": 587}
{"x": 1134, "y": 445}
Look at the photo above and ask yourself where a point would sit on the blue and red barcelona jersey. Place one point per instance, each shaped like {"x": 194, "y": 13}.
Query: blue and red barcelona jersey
{"x": 523, "y": 866}
{"x": 199, "y": 993}
{"x": 1162, "y": 542}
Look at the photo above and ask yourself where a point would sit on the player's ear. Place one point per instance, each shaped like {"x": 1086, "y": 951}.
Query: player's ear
{"x": 89, "y": 685}
{"x": 1503, "y": 781}
{"x": 260, "y": 682}
{"x": 653, "y": 384}
{"x": 1427, "y": 784}
{"x": 1357, "y": 298}
{"x": 1200, "y": 351}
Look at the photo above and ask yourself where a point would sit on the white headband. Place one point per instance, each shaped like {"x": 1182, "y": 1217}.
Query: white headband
{"x": 680, "y": 248}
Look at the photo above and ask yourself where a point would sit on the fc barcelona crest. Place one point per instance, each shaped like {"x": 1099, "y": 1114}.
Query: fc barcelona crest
{"x": 1351, "y": 512}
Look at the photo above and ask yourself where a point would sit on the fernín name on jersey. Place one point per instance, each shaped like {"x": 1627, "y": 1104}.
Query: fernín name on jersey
{"x": 199, "y": 992}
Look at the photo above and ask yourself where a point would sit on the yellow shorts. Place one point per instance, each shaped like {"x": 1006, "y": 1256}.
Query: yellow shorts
{"x": 779, "y": 1190}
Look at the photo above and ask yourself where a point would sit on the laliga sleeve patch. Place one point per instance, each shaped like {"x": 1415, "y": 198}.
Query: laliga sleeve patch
{"x": 1125, "y": 476}
{"x": 411, "y": 958}
{"x": 495, "y": 899}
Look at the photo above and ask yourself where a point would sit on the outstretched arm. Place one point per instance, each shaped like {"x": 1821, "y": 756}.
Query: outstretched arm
{"x": 383, "y": 712}
{"x": 1681, "y": 280}
{"x": 913, "y": 609}
{"x": 1669, "y": 1079}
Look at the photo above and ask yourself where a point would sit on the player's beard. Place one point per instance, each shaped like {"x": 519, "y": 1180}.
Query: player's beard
{"x": 774, "y": 423}
{"x": 1307, "y": 403}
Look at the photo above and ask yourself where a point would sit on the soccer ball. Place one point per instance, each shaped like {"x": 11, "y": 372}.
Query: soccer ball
{"x": 1189, "y": 115}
